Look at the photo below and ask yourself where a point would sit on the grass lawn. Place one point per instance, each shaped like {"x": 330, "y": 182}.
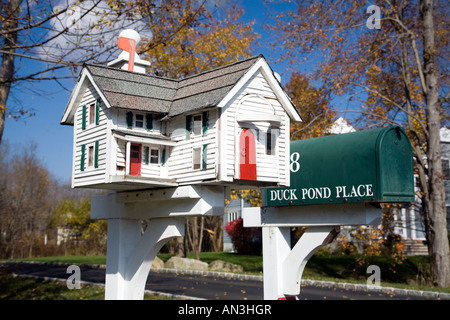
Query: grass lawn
{"x": 22, "y": 288}
{"x": 409, "y": 274}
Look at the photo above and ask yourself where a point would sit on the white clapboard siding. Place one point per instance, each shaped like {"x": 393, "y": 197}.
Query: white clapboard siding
{"x": 180, "y": 161}
{"x": 120, "y": 152}
{"x": 88, "y": 136}
{"x": 255, "y": 104}
{"x": 177, "y": 129}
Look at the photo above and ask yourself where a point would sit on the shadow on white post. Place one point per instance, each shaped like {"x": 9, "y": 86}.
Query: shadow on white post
{"x": 283, "y": 267}
{"x": 130, "y": 255}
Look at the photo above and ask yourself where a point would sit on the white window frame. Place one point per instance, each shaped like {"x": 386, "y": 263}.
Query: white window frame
{"x": 150, "y": 157}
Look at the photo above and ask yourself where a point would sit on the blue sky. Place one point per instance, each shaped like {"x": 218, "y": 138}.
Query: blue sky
{"x": 48, "y": 101}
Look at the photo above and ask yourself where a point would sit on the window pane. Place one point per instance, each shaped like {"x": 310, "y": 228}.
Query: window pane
{"x": 197, "y": 125}
{"x": 139, "y": 120}
{"x": 91, "y": 113}
{"x": 154, "y": 156}
{"x": 91, "y": 156}
{"x": 270, "y": 141}
{"x": 196, "y": 154}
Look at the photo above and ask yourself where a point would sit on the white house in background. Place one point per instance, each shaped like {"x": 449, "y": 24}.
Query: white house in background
{"x": 340, "y": 126}
{"x": 227, "y": 126}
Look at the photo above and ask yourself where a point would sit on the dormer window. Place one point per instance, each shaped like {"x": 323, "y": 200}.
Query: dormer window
{"x": 139, "y": 120}
{"x": 197, "y": 125}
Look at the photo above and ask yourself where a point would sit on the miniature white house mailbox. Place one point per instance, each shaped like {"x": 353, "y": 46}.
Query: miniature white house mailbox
{"x": 169, "y": 148}
{"x": 136, "y": 131}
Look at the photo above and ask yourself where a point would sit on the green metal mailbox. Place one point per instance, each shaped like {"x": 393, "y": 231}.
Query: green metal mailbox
{"x": 365, "y": 166}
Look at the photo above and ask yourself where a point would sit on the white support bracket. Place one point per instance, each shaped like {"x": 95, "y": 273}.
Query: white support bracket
{"x": 130, "y": 254}
{"x": 283, "y": 267}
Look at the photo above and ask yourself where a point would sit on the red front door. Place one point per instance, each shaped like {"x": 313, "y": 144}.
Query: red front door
{"x": 135, "y": 159}
{"x": 247, "y": 150}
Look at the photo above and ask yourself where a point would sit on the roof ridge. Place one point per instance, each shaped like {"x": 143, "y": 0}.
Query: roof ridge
{"x": 171, "y": 79}
{"x": 129, "y": 72}
{"x": 223, "y": 67}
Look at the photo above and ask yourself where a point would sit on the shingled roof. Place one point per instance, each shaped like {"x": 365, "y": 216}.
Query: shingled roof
{"x": 135, "y": 91}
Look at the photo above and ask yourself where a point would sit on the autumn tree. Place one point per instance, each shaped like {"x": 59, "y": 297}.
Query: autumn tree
{"x": 313, "y": 105}
{"x": 41, "y": 35}
{"x": 84, "y": 236}
{"x": 25, "y": 205}
{"x": 391, "y": 60}
{"x": 204, "y": 43}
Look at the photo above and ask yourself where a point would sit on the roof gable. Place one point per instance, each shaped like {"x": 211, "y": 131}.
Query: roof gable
{"x": 262, "y": 66}
{"x": 123, "y": 89}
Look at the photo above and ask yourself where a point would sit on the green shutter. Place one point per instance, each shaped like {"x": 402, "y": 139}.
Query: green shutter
{"x": 205, "y": 122}
{"x": 83, "y": 118}
{"x": 149, "y": 121}
{"x": 163, "y": 157}
{"x": 204, "y": 153}
{"x": 97, "y": 111}
{"x": 83, "y": 151}
{"x": 96, "y": 155}
{"x": 146, "y": 155}
{"x": 188, "y": 126}
{"x": 130, "y": 119}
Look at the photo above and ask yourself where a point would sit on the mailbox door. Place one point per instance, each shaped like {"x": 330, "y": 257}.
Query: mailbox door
{"x": 247, "y": 155}
{"x": 396, "y": 179}
{"x": 135, "y": 160}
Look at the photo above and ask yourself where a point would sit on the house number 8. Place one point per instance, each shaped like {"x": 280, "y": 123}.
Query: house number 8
{"x": 295, "y": 166}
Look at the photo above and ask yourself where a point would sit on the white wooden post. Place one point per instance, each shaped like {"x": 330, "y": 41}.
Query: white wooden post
{"x": 276, "y": 247}
{"x": 122, "y": 237}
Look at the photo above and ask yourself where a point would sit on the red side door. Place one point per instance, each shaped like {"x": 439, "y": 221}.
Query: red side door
{"x": 247, "y": 150}
{"x": 135, "y": 159}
